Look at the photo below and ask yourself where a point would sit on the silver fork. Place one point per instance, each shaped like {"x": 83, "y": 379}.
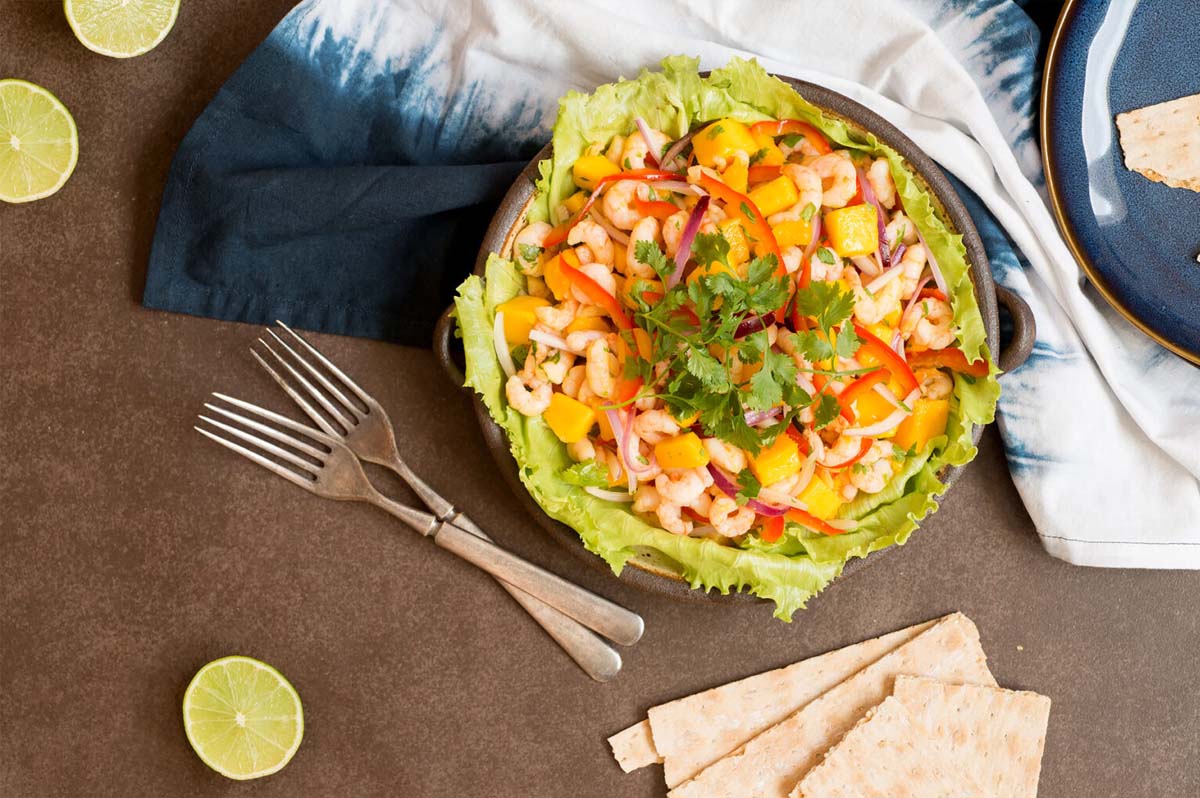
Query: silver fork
{"x": 367, "y": 431}
{"x": 335, "y": 473}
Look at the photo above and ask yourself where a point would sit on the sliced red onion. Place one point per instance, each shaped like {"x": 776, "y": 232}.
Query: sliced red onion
{"x": 501, "y": 345}
{"x": 840, "y": 463}
{"x": 898, "y": 255}
{"x": 621, "y": 434}
{"x": 730, "y": 488}
{"x": 898, "y": 345}
{"x": 616, "y": 235}
{"x": 756, "y": 417}
{"x": 938, "y": 277}
{"x": 679, "y": 187}
{"x": 552, "y": 340}
{"x": 673, "y": 151}
{"x": 749, "y": 326}
{"x": 644, "y": 129}
{"x": 916, "y": 296}
{"x": 887, "y": 394}
{"x": 685, "y": 242}
{"x": 884, "y": 278}
{"x": 886, "y": 425}
{"x": 610, "y": 495}
{"x": 866, "y": 264}
{"x": 884, "y": 250}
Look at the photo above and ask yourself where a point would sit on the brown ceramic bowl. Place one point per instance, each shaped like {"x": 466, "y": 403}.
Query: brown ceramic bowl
{"x": 649, "y": 570}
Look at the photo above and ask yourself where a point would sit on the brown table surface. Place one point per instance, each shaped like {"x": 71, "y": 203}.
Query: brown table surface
{"x": 134, "y": 551}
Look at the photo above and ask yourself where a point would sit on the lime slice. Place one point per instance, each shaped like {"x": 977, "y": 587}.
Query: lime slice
{"x": 38, "y": 142}
{"x": 121, "y": 28}
{"x": 243, "y": 719}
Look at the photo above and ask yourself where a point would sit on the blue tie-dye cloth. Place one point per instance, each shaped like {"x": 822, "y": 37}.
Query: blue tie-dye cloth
{"x": 342, "y": 178}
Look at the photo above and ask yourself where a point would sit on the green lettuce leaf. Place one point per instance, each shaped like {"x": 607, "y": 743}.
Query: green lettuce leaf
{"x": 793, "y": 569}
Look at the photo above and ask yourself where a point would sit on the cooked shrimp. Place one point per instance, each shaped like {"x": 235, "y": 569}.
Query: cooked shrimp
{"x": 530, "y": 397}
{"x": 913, "y": 263}
{"x": 672, "y": 231}
{"x": 529, "y": 245}
{"x": 935, "y": 384}
{"x": 590, "y": 234}
{"x": 826, "y": 271}
{"x": 645, "y": 230}
{"x": 879, "y": 176}
{"x": 682, "y": 486}
{"x": 728, "y": 519}
{"x": 929, "y": 324}
{"x": 901, "y": 230}
{"x": 702, "y": 504}
{"x": 574, "y": 381}
{"x": 725, "y": 455}
{"x": 646, "y": 500}
{"x": 872, "y": 472}
{"x": 618, "y": 204}
{"x": 670, "y": 518}
{"x": 654, "y": 426}
{"x": 601, "y": 275}
{"x": 633, "y": 154}
{"x": 873, "y": 308}
{"x": 601, "y": 365}
{"x": 580, "y": 339}
{"x": 556, "y": 366}
{"x": 808, "y": 182}
{"x": 557, "y": 317}
{"x": 581, "y": 450}
{"x": 612, "y": 463}
{"x": 839, "y": 180}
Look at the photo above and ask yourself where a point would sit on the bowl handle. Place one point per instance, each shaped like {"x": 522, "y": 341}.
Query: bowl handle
{"x": 443, "y": 338}
{"x": 1024, "y": 330}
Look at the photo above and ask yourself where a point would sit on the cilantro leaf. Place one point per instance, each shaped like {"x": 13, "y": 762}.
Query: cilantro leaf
{"x": 714, "y": 131}
{"x": 530, "y": 253}
{"x": 826, "y": 411}
{"x": 758, "y": 156}
{"x": 648, "y": 252}
{"x": 710, "y": 248}
{"x": 748, "y": 212}
{"x": 792, "y": 139}
{"x": 808, "y": 212}
{"x": 706, "y": 368}
{"x": 847, "y": 342}
{"x": 826, "y": 302}
{"x": 587, "y": 474}
{"x": 825, "y": 255}
{"x": 749, "y": 486}
{"x": 813, "y": 345}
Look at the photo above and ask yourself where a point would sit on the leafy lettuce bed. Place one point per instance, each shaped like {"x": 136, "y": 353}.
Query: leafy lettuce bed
{"x": 799, "y": 565}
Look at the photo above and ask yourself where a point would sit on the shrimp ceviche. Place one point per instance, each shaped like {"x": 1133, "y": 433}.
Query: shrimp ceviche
{"x": 752, "y": 337}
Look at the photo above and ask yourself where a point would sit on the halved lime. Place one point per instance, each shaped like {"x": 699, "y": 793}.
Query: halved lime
{"x": 243, "y": 719}
{"x": 121, "y": 28}
{"x": 38, "y": 142}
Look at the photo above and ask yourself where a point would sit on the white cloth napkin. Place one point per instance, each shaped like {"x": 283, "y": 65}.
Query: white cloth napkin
{"x": 1101, "y": 426}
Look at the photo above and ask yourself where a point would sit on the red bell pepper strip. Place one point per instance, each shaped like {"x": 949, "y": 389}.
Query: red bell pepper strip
{"x": 559, "y": 234}
{"x": 857, "y": 388}
{"x": 596, "y": 293}
{"x": 798, "y": 436}
{"x": 659, "y": 209}
{"x": 951, "y": 358}
{"x": 812, "y": 522}
{"x": 932, "y": 293}
{"x": 783, "y": 127}
{"x": 761, "y": 174}
{"x": 741, "y": 206}
{"x": 858, "y": 198}
{"x": 772, "y": 529}
{"x": 820, "y": 382}
{"x": 888, "y": 358}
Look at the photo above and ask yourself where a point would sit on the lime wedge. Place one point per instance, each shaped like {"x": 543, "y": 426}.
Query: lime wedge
{"x": 121, "y": 28}
{"x": 242, "y": 718}
{"x": 38, "y": 142}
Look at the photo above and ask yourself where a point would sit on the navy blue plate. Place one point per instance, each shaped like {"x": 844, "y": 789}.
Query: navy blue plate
{"x": 1137, "y": 240}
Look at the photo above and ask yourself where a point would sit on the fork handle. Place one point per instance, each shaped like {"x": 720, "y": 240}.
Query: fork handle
{"x": 598, "y": 614}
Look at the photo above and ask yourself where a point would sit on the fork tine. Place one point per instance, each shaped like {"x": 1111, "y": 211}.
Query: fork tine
{"x": 270, "y": 432}
{"x": 319, "y": 377}
{"x": 273, "y": 467}
{"x": 324, "y": 361}
{"x": 282, "y": 454}
{"x": 270, "y": 415}
{"x": 309, "y": 410}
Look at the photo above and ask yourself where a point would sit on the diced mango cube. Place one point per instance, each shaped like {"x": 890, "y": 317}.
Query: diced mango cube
{"x": 519, "y": 317}
{"x": 574, "y": 203}
{"x": 606, "y": 430}
{"x": 681, "y": 451}
{"x": 570, "y": 419}
{"x": 720, "y": 140}
{"x": 688, "y": 420}
{"x": 771, "y": 154}
{"x": 793, "y": 234}
{"x": 775, "y": 196}
{"x": 586, "y": 324}
{"x": 735, "y": 234}
{"x": 928, "y": 420}
{"x": 778, "y": 461}
{"x": 556, "y": 281}
{"x": 870, "y": 407}
{"x": 736, "y": 175}
{"x": 821, "y": 497}
{"x": 853, "y": 231}
{"x": 590, "y": 169}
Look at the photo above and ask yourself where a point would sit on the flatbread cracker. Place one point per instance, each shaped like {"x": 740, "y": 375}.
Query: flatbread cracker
{"x": 1162, "y": 142}
{"x": 889, "y": 755}
{"x": 772, "y": 763}
{"x": 998, "y": 734}
{"x": 633, "y": 748}
{"x": 693, "y": 732}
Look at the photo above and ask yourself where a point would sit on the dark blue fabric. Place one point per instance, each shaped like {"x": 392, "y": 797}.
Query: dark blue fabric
{"x": 291, "y": 199}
